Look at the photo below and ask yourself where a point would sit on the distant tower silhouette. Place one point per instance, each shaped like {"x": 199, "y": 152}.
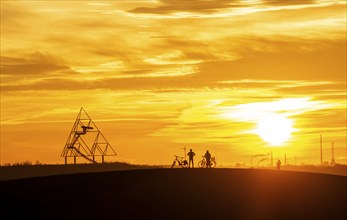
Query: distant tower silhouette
{"x": 271, "y": 159}
{"x": 295, "y": 159}
{"x": 332, "y": 163}
{"x": 321, "y": 151}
{"x": 185, "y": 152}
{"x": 285, "y": 159}
{"x": 86, "y": 141}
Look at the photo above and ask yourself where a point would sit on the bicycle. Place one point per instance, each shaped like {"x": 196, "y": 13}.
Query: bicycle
{"x": 203, "y": 162}
{"x": 180, "y": 161}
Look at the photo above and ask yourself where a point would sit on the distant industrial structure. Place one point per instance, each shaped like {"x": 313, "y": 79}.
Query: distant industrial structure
{"x": 86, "y": 141}
{"x": 332, "y": 161}
{"x": 321, "y": 150}
{"x": 263, "y": 157}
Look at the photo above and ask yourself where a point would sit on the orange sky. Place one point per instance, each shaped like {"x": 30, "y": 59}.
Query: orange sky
{"x": 156, "y": 75}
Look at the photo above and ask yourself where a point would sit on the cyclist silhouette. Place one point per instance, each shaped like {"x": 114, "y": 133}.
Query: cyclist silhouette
{"x": 278, "y": 163}
{"x": 208, "y": 159}
{"x": 191, "y": 155}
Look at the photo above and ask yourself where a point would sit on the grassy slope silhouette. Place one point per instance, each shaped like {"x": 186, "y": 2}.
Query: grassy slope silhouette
{"x": 19, "y": 172}
{"x": 177, "y": 194}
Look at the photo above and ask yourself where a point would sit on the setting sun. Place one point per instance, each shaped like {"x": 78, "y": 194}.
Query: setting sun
{"x": 275, "y": 129}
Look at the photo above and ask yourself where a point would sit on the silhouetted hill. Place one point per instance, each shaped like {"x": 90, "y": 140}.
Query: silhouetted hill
{"x": 27, "y": 171}
{"x": 177, "y": 194}
{"x": 338, "y": 169}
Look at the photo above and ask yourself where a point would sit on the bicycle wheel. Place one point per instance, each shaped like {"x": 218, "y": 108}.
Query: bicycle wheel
{"x": 213, "y": 164}
{"x": 173, "y": 164}
{"x": 184, "y": 164}
{"x": 201, "y": 164}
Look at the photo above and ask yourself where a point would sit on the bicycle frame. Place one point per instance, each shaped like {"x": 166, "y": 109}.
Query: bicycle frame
{"x": 180, "y": 161}
{"x": 203, "y": 162}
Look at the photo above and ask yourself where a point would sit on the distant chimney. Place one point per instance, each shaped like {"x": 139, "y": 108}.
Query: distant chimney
{"x": 295, "y": 159}
{"x": 321, "y": 151}
{"x": 271, "y": 159}
{"x": 332, "y": 163}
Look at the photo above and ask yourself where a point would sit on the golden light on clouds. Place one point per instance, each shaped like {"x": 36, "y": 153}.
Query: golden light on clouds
{"x": 156, "y": 75}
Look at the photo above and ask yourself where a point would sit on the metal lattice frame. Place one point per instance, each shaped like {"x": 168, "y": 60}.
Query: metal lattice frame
{"x": 77, "y": 146}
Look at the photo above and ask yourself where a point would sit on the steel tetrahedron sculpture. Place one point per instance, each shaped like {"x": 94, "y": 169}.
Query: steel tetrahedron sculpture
{"x": 86, "y": 141}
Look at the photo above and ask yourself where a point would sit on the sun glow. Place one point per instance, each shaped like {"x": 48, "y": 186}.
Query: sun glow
{"x": 275, "y": 129}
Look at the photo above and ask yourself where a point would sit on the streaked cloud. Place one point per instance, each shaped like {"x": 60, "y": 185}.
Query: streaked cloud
{"x": 288, "y": 107}
{"x": 37, "y": 64}
{"x": 222, "y": 8}
{"x": 206, "y": 6}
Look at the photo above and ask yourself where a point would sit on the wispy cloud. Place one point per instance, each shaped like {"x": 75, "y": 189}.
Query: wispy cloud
{"x": 33, "y": 64}
{"x": 253, "y": 112}
{"x": 221, "y": 8}
{"x": 167, "y": 6}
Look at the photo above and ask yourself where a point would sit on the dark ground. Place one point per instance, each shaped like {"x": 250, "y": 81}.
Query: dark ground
{"x": 27, "y": 171}
{"x": 177, "y": 194}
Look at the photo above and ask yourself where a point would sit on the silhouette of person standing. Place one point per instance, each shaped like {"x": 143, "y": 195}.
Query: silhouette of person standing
{"x": 191, "y": 155}
{"x": 208, "y": 159}
{"x": 278, "y": 163}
